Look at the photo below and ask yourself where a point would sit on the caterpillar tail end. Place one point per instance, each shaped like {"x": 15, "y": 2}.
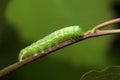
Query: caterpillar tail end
{"x": 20, "y": 58}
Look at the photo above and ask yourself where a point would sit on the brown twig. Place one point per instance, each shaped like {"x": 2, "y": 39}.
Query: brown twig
{"x": 114, "y": 21}
{"x": 96, "y": 33}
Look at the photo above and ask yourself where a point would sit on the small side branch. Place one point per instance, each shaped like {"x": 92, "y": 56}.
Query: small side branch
{"x": 107, "y": 23}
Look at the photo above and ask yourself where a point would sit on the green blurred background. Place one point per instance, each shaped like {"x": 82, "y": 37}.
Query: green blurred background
{"x": 24, "y": 21}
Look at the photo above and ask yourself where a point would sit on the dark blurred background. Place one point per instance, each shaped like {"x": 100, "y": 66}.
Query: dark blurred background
{"x": 24, "y": 21}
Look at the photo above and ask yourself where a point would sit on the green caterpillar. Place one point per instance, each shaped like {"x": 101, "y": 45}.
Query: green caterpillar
{"x": 49, "y": 41}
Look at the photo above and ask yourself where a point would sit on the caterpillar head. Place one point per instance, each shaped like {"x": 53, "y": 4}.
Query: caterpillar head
{"x": 78, "y": 30}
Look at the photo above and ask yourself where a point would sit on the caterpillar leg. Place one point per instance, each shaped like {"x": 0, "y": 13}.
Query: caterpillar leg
{"x": 74, "y": 39}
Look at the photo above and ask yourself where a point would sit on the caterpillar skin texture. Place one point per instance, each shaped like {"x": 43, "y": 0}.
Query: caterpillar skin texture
{"x": 49, "y": 41}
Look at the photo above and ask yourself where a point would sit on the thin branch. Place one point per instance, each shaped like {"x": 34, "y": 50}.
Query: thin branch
{"x": 114, "y": 21}
{"x": 17, "y": 65}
